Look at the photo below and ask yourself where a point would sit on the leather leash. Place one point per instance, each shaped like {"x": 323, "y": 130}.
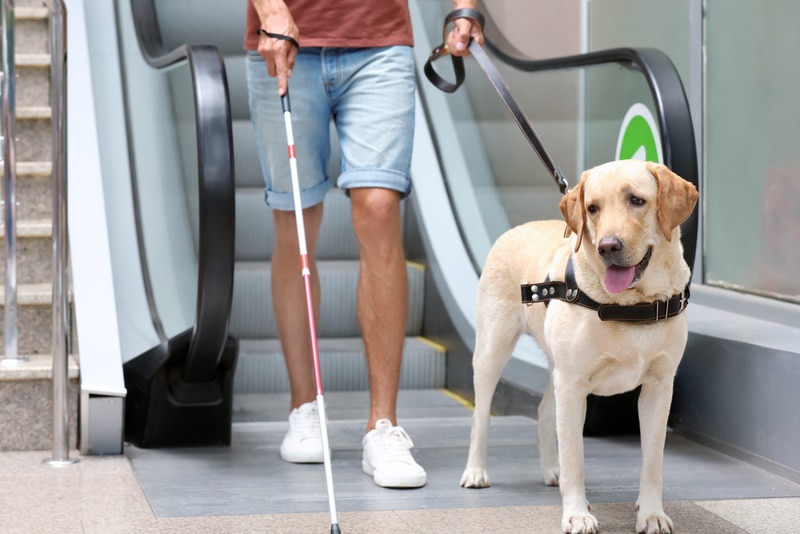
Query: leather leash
{"x": 496, "y": 80}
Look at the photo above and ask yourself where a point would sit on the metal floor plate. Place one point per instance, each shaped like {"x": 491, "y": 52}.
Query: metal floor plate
{"x": 250, "y": 478}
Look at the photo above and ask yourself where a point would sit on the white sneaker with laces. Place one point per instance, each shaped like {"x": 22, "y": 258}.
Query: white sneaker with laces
{"x": 303, "y": 441}
{"x": 387, "y": 457}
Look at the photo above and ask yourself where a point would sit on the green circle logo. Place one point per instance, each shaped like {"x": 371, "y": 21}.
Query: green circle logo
{"x": 638, "y": 136}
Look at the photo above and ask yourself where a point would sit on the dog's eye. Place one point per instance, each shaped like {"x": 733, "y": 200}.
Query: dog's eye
{"x": 636, "y": 201}
{"x": 592, "y": 208}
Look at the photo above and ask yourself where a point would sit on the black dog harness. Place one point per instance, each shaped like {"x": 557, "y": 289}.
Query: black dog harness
{"x": 568, "y": 291}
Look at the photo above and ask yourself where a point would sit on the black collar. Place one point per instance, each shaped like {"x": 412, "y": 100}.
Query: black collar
{"x": 568, "y": 291}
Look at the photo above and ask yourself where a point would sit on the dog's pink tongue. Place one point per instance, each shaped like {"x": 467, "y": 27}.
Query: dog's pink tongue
{"x": 618, "y": 279}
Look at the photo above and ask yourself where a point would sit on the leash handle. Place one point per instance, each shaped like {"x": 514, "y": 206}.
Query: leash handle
{"x": 443, "y": 50}
{"x": 497, "y": 82}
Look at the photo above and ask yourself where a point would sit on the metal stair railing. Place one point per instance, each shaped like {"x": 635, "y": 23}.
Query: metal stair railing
{"x": 60, "y": 291}
{"x": 11, "y": 355}
{"x": 61, "y": 330}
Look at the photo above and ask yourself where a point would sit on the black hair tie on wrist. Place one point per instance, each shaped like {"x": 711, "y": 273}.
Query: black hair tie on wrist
{"x": 279, "y": 36}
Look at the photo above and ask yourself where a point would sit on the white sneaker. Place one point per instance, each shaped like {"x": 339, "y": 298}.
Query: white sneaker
{"x": 387, "y": 457}
{"x": 303, "y": 441}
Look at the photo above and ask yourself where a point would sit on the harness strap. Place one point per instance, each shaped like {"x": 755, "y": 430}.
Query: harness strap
{"x": 568, "y": 291}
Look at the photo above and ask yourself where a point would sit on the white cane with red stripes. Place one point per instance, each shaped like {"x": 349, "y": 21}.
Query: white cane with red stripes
{"x": 306, "y": 273}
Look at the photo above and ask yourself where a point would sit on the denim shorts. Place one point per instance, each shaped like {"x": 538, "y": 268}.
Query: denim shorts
{"x": 369, "y": 95}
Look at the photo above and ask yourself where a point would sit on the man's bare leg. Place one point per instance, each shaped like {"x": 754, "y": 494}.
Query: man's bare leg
{"x": 382, "y": 294}
{"x": 289, "y": 300}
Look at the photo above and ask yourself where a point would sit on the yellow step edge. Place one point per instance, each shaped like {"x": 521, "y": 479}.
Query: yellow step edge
{"x": 415, "y": 265}
{"x": 436, "y": 346}
{"x": 458, "y": 398}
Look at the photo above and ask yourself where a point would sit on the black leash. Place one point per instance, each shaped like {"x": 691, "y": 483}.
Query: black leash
{"x": 496, "y": 80}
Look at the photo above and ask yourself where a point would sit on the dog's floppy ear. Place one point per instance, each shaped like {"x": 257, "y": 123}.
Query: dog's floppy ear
{"x": 573, "y": 210}
{"x": 676, "y": 198}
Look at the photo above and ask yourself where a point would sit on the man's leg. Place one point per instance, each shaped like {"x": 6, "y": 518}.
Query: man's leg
{"x": 382, "y": 294}
{"x": 289, "y": 300}
{"x": 382, "y": 305}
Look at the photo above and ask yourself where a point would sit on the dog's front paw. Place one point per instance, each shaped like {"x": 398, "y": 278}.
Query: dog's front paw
{"x": 475, "y": 477}
{"x": 653, "y": 523}
{"x": 579, "y": 523}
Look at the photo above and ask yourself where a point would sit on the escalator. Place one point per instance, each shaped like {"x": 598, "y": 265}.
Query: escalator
{"x": 204, "y": 333}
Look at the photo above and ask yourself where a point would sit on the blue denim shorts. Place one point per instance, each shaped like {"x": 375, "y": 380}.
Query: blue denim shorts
{"x": 369, "y": 95}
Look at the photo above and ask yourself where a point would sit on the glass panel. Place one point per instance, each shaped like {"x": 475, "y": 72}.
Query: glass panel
{"x": 752, "y": 158}
{"x": 163, "y": 149}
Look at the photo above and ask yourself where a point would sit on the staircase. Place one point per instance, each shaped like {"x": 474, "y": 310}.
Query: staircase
{"x": 26, "y": 412}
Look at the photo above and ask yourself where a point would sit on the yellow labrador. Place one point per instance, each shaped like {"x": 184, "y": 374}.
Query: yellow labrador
{"x": 614, "y": 291}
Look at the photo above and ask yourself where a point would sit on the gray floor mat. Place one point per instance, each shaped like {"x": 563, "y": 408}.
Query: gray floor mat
{"x": 250, "y": 478}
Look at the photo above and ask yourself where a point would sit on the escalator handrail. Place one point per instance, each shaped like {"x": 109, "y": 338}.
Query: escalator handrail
{"x": 672, "y": 109}
{"x": 216, "y": 189}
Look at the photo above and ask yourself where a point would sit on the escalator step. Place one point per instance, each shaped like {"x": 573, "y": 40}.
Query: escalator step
{"x": 261, "y": 368}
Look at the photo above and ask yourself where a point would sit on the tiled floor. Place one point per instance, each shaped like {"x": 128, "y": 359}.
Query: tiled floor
{"x": 246, "y": 488}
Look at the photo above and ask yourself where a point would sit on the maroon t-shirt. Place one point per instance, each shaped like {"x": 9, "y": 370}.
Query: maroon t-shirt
{"x": 343, "y": 23}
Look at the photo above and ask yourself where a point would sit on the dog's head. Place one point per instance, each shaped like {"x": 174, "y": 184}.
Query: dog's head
{"x": 627, "y": 210}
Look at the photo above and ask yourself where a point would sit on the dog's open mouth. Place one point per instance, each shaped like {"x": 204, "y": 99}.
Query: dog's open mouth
{"x": 619, "y": 278}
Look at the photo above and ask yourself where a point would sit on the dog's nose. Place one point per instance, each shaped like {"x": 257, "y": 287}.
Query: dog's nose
{"x": 609, "y": 246}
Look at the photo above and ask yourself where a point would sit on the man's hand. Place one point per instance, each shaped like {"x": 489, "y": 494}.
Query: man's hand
{"x": 464, "y": 30}
{"x": 278, "y": 53}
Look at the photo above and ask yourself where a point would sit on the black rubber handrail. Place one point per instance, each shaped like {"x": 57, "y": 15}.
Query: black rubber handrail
{"x": 672, "y": 107}
{"x": 216, "y": 190}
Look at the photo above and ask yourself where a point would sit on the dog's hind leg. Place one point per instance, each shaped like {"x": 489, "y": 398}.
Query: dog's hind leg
{"x": 546, "y": 437}
{"x": 497, "y": 335}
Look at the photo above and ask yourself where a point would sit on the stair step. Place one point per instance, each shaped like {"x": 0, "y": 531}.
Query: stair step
{"x": 33, "y": 86}
{"x": 261, "y": 368}
{"x": 33, "y": 367}
{"x": 34, "y": 190}
{"x": 34, "y": 168}
{"x": 34, "y": 112}
{"x": 31, "y": 228}
{"x": 33, "y": 135}
{"x": 31, "y": 13}
{"x": 26, "y": 393}
{"x": 34, "y": 252}
{"x": 31, "y": 295}
{"x": 32, "y": 60}
{"x": 34, "y": 318}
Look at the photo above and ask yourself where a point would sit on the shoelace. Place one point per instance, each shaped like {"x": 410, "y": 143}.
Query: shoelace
{"x": 395, "y": 443}
{"x": 305, "y": 424}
